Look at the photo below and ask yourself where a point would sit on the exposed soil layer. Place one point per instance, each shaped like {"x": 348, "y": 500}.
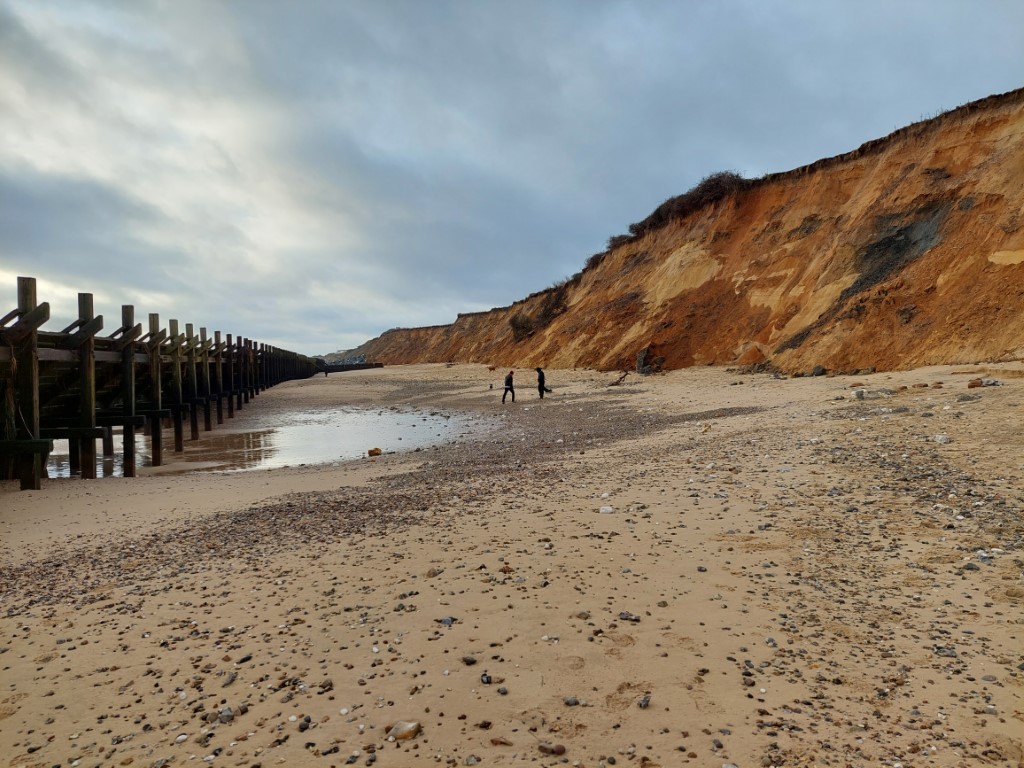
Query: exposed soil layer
{"x": 908, "y": 251}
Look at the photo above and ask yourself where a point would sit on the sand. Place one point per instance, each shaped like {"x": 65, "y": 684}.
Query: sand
{"x": 699, "y": 568}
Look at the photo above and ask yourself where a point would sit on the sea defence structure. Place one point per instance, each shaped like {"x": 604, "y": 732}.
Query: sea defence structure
{"x": 79, "y": 386}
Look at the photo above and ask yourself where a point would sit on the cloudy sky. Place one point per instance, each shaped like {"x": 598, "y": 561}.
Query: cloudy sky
{"x": 310, "y": 173}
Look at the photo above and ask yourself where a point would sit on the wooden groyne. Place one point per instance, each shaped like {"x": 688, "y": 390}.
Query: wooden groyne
{"x": 78, "y": 385}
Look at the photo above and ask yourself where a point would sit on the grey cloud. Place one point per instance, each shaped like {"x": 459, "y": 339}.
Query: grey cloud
{"x": 75, "y": 227}
{"x": 444, "y": 156}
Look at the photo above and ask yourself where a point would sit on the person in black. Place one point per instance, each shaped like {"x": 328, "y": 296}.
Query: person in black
{"x": 509, "y": 388}
{"x": 540, "y": 383}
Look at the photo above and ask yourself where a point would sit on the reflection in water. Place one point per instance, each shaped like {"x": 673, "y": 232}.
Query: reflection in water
{"x": 234, "y": 450}
{"x": 285, "y": 439}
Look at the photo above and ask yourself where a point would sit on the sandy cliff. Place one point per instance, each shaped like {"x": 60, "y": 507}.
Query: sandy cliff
{"x": 908, "y": 251}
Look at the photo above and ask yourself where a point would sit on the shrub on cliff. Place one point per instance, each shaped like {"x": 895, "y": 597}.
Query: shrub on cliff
{"x": 522, "y": 325}
{"x": 710, "y": 190}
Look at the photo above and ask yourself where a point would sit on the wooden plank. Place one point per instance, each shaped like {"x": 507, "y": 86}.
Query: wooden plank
{"x": 30, "y": 320}
{"x": 26, "y": 446}
{"x": 108, "y": 356}
{"x": 46, "y": 354}
{"x": 102, "y": 420}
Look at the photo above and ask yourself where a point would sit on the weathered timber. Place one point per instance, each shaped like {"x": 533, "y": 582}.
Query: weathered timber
{"x": 21, "y": 391}
{"x": 232, "y": 359}
{"x": 78, "y": 386}
{"x": 191, "y": 381}
{"x": 84, "y": 338}
{"x": 154, "y": 410}
{"x": 123, "y": 338}
{"x": 174, "y": 343}
{"x": 218, "y": 374}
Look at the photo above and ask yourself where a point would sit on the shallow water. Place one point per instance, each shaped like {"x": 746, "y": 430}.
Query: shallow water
{"x": 285, "y": 438}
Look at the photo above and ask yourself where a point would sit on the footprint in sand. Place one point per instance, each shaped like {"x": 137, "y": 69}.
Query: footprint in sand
{"x": 575, "y": 663}
{"x": 25, "y": 761}
{"x": 621, "y": 641}
{"x": 626, "y": 695}
{"x": 7, "y": 707}
{"x": 675, "y": 640}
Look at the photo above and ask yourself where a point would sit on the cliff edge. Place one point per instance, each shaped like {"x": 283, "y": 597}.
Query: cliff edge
{"x": 908, "y": 251}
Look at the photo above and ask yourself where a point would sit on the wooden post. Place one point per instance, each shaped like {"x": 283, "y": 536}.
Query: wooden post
{"x": 27, "y": 359}
{"x": 192, "y": 387}
{"x": 218, "y": 379}
{"x": 29, "y": 468}
{"x": 128, "y": 392}
{"x": 177, "y": 390}
{"x": 156, "y": 426}
{"x": 87, "y": 382}
{"x": 204, "y": 379}
{"x": 232, "y": 356}
{"x": 246, "y": 370}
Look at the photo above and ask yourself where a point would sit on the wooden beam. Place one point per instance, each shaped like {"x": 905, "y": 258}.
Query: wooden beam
{"x": 30, "y": 320}
{"x": 125, "y": 336}
{"x": 87, "y": 329}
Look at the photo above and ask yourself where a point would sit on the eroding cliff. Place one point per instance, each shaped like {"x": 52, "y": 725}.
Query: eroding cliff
{"x": 907, "y": 251}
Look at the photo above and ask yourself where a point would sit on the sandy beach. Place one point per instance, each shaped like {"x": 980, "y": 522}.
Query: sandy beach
{"x": 704, "y": 567}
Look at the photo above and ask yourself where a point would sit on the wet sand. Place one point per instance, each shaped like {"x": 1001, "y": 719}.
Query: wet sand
{"x": 699, "y": 568}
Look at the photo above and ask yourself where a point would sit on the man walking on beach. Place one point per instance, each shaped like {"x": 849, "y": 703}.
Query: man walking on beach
{"x": 540, "y": 383}
{"x": 509, "y": 388}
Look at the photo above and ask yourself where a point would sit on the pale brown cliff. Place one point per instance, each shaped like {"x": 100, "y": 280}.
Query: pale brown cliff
{"x": 908, "y": 251}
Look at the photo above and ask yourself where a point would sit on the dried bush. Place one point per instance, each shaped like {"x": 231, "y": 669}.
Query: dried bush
{"x": 710, "y": 190}
{"x": 522, "y": 325}
{"x": 553, "y": 305}
{"x": 616, "y": 240}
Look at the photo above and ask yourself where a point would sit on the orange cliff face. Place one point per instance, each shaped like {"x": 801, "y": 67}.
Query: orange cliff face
{"x": 906, "y": 252}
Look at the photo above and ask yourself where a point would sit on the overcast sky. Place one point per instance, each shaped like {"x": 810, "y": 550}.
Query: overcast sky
{"x": 311, "y": 173}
